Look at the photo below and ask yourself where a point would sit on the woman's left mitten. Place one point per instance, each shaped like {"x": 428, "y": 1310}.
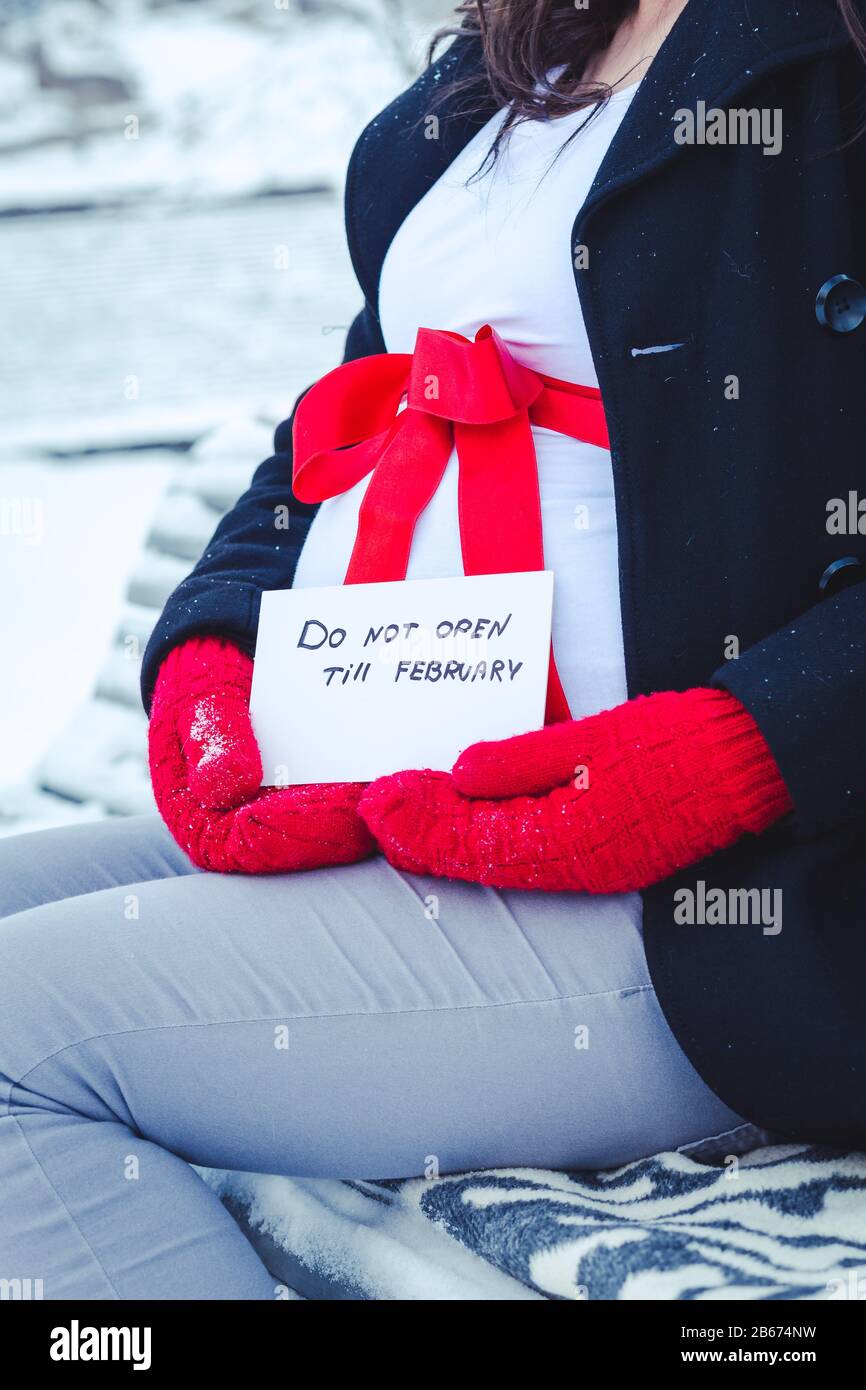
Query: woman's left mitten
{"x": 614, "y": 802}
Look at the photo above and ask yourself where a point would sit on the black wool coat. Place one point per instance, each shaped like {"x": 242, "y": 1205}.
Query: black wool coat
{"x": 727, "y": 449}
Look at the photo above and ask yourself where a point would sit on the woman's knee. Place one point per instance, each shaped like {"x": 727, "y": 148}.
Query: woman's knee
{"x": 48, "y": 985}
{"x": 21, "y": 869}
{"x": 38, "y": 867}
{"x": 69, "y": 861}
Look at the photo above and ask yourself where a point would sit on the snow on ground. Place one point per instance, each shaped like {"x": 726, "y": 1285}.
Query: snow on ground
{"x": 59, "y": 609}
{"x": 185, "y": 100}
{"x": 151, "y": 324}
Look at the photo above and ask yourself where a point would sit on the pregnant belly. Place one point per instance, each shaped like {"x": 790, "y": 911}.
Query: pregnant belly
{"x": 580, "y": 545}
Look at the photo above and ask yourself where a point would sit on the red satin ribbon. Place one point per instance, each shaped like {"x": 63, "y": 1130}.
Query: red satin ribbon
{"x": 458, "y": 392}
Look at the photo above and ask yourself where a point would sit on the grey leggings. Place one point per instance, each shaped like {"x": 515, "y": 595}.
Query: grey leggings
{"x": 351, "y": 1022}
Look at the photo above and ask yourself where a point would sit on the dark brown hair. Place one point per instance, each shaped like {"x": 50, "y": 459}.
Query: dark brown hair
{"x": 525, "y": 40}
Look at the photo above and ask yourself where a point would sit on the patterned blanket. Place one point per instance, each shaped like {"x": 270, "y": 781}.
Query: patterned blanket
{"x": 779, "y": 1223}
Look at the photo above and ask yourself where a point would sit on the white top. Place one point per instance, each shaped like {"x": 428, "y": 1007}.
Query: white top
{"x": 498, "y": 250}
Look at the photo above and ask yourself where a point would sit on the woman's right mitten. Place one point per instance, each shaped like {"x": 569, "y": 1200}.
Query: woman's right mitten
{"x": 206, "y": 772}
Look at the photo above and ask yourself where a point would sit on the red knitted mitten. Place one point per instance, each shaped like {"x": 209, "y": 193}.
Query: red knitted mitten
{"x": 206, "y": 772}
{"x": 607, "y": 804}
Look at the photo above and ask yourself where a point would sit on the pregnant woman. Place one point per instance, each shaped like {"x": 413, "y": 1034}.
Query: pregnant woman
{"x": 637, "y": 232}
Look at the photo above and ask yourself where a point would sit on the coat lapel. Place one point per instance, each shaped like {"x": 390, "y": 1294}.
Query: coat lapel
{"x": 716, "y": 50}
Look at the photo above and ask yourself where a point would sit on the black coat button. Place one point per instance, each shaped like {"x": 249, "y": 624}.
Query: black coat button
{"x": 841, "y": 304}
{"x": 841, "y": 575}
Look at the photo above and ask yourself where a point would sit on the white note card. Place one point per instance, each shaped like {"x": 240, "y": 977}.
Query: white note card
{"x": 359, "y": 680}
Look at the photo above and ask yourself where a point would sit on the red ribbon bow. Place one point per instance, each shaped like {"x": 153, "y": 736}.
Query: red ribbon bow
{"x": 458, "y": 392}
